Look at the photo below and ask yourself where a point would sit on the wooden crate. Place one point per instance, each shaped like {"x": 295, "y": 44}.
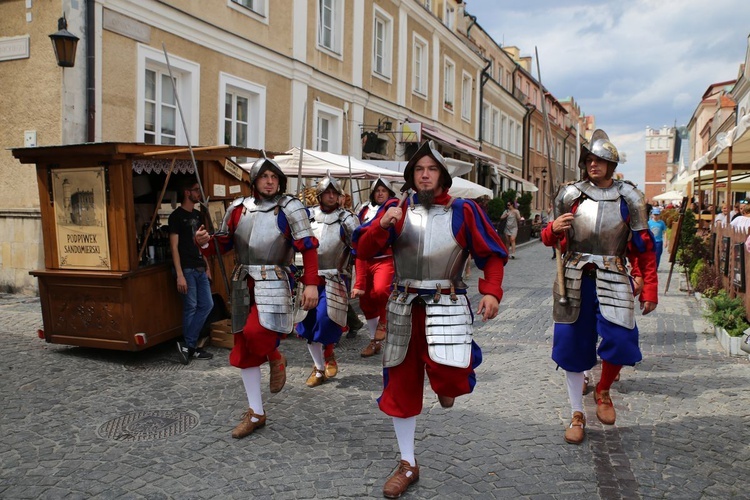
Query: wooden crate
{"x": 221, "y": 334}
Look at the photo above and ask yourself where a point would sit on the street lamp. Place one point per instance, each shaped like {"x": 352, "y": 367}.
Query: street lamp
{"x": 544, "y": 173}
{"x": 64, "y": 42}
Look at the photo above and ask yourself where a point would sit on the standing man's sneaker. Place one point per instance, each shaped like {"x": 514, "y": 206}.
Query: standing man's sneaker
{"x": 202, "y": 354}
{"x": 575, "y": 433}
{"x": 184, "y": 352}
{"x": 399, "y": 482}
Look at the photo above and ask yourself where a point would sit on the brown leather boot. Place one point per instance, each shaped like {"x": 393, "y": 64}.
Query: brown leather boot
{"x": 278, "y": 374}
{"x": 247, "y": 426}
{"x": 575, "y": 433}
{"x": 446, "y": 401}
{"x": 331, "y": 367}
{"x": 313, "y": 380}
{"x": 371, "y": 349}
{"x": 380, "y": 331}
{"x": 399, "y": 482}
{"x": 605, "y": 410}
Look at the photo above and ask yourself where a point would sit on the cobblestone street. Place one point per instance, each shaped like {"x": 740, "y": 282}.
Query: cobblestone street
{"x": 83, "y": 423}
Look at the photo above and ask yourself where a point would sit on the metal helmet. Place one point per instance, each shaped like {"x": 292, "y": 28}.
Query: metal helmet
{"x": 325, "y": 183}
{"x": 600, "y": 146}
{"x": 426, "y": 149}
{"x": 380, "y": 182}
{"x": 261, "y": 166}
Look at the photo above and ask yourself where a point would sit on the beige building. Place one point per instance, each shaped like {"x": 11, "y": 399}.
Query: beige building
{"x": 362, "y": 74}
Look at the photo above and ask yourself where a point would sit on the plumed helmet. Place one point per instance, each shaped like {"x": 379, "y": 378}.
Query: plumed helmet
{"x": 426, "y": 149}
{"x": 380, "y": 182}
{"x": 261, "y": 166}
{"x": 600, "y": 146}
{"x": 325, "y": 183}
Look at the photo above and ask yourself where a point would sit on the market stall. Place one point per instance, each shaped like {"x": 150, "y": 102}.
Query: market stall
{"x": 97, "y": 288}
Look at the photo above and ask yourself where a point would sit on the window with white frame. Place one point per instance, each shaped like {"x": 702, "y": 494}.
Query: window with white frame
{"x": 450, "y": 16}
{"x": 157, "y": 113}
{"x": 256, "y": 7}
{"x": 382, "y": 43}
{"x": 330, "y": 25}
{"x": 420, "y": 57}
{"x": 532, "y": 137}
{"x": 504, "y": 132}
{"x": 511, "y": 135}
{"x": 449, "y": 84}
{"x": 519, "y": 139}
{"x": 327, "y": 127}
{"x": 486, "y": 136}
{"x": 242, "y": 112}
{"x": 539, "y": 142}
{"x": 496, "y": 132}
{"x": 466, "y": 90}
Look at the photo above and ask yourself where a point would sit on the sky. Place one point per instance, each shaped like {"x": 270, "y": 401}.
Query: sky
{"x": 630, "y": 63}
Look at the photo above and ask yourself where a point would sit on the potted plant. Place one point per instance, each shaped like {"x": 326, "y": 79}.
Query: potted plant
{"x": 730, "y": 321}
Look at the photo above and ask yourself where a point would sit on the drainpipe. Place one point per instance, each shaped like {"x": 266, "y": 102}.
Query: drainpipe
{"x": 483, "y": 80}
{"x": 90, "y": 73}
{"x": 471, "y": 25}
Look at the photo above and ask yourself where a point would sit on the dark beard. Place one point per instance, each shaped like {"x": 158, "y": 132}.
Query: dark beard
{"x": 426, "y": 198}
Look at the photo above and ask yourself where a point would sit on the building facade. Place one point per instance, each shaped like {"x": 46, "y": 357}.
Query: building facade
{"x": 369, "y": 78}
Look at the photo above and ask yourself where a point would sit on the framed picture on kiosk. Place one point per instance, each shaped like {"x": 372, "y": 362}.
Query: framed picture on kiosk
{"x": 81, "y": 218}
{"x": 738, "y": 270}
{"x": 724, "y": 255}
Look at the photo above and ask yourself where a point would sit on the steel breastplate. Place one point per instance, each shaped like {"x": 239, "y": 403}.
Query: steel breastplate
{"x": 332, "y": 250}
{"x": 372, "y": 211}
{"x": 426, "y": 251}
{"x": 257, "y": 238}
{"x": 598, "y": 228}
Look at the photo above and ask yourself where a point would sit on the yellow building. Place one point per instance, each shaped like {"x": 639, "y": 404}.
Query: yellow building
{"x": 361, "y": 72}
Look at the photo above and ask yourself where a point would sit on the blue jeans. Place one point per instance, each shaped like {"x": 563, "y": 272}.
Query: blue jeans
{"x": 659, "y": 247}
{"x": 196, "y": 305}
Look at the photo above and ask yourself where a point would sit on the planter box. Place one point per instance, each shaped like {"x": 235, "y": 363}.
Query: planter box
{"x": 730, "y": 344}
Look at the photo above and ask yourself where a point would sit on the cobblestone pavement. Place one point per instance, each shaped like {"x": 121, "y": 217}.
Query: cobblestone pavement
{"x": 85, "y": 423}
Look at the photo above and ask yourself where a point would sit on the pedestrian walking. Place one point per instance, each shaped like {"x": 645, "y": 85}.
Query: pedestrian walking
{"x": 512, "y": 217}
{"x": 600, "y": 223}
{"x": 374, "y": 276}
{"x": 265, "y": 230}
{"x": 333, "y": 226}
{"x": 429, "y": 315}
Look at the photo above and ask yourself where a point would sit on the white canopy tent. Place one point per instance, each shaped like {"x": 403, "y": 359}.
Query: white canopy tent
{"x": 669, "y": 196}
{"x": 319, "y": 163}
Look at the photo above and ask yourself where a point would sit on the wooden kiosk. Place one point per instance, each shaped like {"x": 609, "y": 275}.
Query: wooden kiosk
{"x": 96, "y": 202}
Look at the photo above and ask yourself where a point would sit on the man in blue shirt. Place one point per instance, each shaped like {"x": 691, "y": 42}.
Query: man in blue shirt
{"x": 657, "y": 228}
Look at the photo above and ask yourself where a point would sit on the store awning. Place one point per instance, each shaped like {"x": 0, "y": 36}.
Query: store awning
{"x": 527, "y": 185}
{"x": 736, "y": 143}
{"x": 455, "y": 144}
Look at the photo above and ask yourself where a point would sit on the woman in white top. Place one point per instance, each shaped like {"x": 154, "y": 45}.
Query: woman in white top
{"x": 723, "y": 218}
{"x": 743, "y": 221}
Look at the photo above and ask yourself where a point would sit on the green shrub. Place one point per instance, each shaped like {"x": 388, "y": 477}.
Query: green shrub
{"x": 706, "y": 279}
{"x": 728, "y": 314}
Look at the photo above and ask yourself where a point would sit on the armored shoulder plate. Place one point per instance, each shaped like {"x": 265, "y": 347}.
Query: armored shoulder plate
{"x": 636, "y": 205}
{"x": 296, "y": 215}
{"x": 349, "y": 222}
{"x": 224, "y": 229}
{"x": 565, "y": 198}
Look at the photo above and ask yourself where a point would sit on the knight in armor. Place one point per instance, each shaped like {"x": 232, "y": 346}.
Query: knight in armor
{"x": 429, "y": 316}
{"x": 600, "y": 224}
{"x": 265, "y": 230}
{"x": 322, "y": 327}
{"x": 374, "y": 276}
